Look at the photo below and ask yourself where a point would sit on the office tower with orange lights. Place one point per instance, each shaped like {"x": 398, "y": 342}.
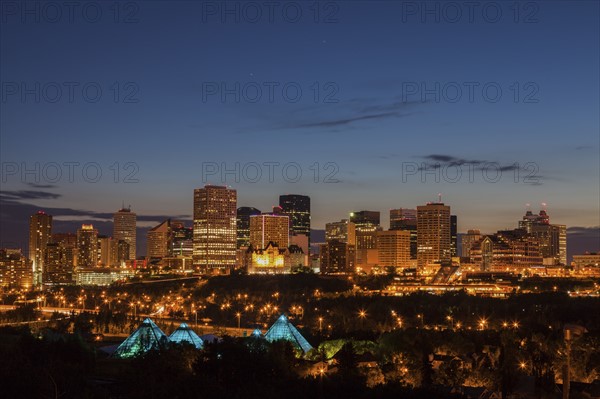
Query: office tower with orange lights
{"x": 433, "y": 234}
{"x": 124, "y": 228}
{"x": 393, "y": 248}
{"x": 40, "y": 234}
{"x": 215, "y": 235}
{"x": 87, "y": 246}
{"x": 406, "y": 219}
{"x": 267, "y": 228}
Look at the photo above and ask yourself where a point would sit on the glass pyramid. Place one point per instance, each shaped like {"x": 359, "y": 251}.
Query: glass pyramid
{"x": 283, "y": 329}
{"x": 185, "y": 334}
{"x": 147, "y": 337}
{"x": 256, "y": 333}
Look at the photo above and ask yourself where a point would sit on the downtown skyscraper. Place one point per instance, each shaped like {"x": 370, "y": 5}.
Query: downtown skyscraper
{"x": 267, "y": 228}
{"x": 87, "y": 246}
{"x": 215, "y": 236}
{"x": 433, "y": 234}
{"x": 243, "y": 224}
{"x": 297, "y": 207}
{"x": 40, "y": 234}
{"x": 124, "y": 228}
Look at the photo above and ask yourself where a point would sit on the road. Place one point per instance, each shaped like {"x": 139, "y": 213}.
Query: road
{"x": 200, "y": 328}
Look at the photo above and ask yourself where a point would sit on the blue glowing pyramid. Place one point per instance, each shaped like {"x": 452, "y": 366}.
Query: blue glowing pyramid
{"x": 283, "y": 329}
{"x": 147, "y": 337}
{"x": 185, "y": 334}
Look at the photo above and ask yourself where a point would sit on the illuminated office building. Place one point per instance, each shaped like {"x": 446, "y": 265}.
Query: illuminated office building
{"x": 453, "y": 235}
{"x": 467, "y": 240}
{"x": 507, "y": 250}
{"x": 40, "y": 233}
{"x": 433, "y": 234}
{"x": 406, "y": 219}
{"x": 215, "y": 237}
{"x": 552, "y": 237}
{"x": 297, "y": 207}
{"x": 15, "y": 270}
{"x": 56, "y": 271}
{"x": 343, "y": 231}
{"x": 393, "y": 248}
{"x": 182, "y": 243}
{"x": 269, "y": 228}
{"x": 124, "y": 228}
{"x": 158, "y": 240}
{"x": 243, "y": 225}
{"x": 337, "y": 257}
{"x": 87, "y": 246}
{"x": 67, "y": 243}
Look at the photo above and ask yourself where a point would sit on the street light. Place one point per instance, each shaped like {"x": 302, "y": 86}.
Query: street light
{"x": 362, "y": 314}
{"x": 320, "y": 324}
{"x": 238, "y": 315}
{"x": 522, "y": 365}
{"x": 482, "y": 323}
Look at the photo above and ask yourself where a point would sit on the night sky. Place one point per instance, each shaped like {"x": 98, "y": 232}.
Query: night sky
{"x": 378, "y": 82}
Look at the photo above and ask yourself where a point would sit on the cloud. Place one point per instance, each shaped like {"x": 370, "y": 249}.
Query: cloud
{"x": 446, "y": 160}
{"x": 28, "y": 195}
{"x": 354, "y": 110}
{"x": 35, "y": 185}
{"x": 583, "y": 230}
{"x": 346, "y": 121}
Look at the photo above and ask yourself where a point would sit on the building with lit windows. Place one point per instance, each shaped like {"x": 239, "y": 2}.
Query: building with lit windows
{"x": 106, "y": 251}
{"x": 243, "y": 225}
{"x": 507, "y": 251}
{"x": 406, "y": 219}
{"x": 338, "y": 254}
{"x": 366, "y": 226}
{"x": 337, "y": 257}
{"x": 158, "y": 240}
{"x": 587, "y": 264}
{"x": 453, "y": 235}
{"x": 467, "y": 240}
{"x": 40, "y": 234}
{"x": 343, "y": 231}
{"x": 182, "y": 243}
{"x": 552, "y": 237}
{"x": 87, "y": 246}
{"x": 102, "y": 275}
{"x": 215, "y": 236}
{"x": 271, "y": 259}
{"x": 267, "y": 228}
{"x": 433, "y": 234}
{"x": 15, "y": 270}
{"x": 124, "y": 228}
{"x": 393, "y": 248}
{"x": 297, "y": 207}
{"x": 57, "y": 271}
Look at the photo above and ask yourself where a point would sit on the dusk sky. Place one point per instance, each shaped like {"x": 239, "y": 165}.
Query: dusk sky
{"x": 379, "y": 91}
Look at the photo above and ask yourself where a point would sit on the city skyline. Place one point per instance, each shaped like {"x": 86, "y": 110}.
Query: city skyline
{"x": 300, "y": 198}
{"x": 578, "y": 242}
{"x": 390, "y": 102}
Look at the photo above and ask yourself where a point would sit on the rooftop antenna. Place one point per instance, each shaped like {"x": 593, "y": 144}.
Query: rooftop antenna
{"x": 544, "y": 206}
{"x": 122, "y": 204}
{"x": 440, "y": 198}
